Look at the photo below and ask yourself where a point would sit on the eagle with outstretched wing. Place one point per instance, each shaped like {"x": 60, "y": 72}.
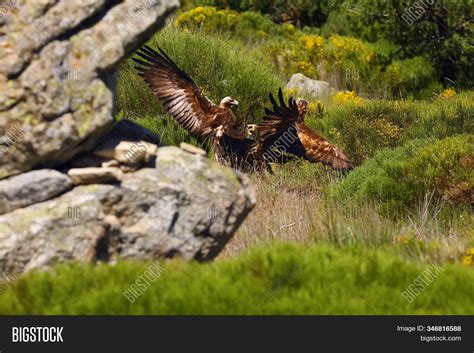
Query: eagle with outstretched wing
{"x": 284, "y": 131}
{"x": 185, "y": 102}
{"x": 283, "y": 128}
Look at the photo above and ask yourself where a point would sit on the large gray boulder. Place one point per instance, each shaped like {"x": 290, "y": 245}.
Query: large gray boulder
{"x": 188, "y": 206}
{"x": 58, "y": 60}
{"x": 308, "y": 87}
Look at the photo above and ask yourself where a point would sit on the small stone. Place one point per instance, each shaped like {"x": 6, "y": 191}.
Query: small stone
{"x": 192, "y": 149}
{"x": 82, "y": 176}
{"x": 111, "y": 164}
{"x": 127, "y": 152}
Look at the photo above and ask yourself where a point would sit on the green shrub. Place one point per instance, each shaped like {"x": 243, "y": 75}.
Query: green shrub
{"x": 279, "y": 279}
{"x": 362, "y": 130}
{"x": 411, "y": 77}
{"x": 400, "y": 178}
{"x": 443, "y": 117}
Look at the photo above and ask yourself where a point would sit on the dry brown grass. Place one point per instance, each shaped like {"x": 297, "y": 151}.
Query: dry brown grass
{"x": 291, "y": 207}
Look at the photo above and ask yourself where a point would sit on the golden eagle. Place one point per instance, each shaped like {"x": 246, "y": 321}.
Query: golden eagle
{"x": 184, "y": 101}
{"x": 284, "y": 130}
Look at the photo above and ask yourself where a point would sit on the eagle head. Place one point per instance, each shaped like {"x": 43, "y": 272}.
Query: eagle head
{"x": 228, "y": 102}
{"x": 302, "y": 108}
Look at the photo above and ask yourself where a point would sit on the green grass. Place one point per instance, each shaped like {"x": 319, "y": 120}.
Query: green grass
{"x": 319, "y": 279}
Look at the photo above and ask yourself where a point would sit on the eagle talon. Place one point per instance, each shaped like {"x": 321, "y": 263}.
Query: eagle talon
{"x": 251, "y": 131}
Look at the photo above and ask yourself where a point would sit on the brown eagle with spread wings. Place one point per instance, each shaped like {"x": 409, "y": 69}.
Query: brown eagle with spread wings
{"x": 283, "y": 129}
{"x": 185, "y": 102}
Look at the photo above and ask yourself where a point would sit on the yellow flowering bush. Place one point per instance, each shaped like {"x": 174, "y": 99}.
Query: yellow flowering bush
{"x": 468, "y": 259}
{"x": 207, "y": 18}
{"x": 289, "y": 60}
{"x": 313, "y": 49}
{"x": 447, "y": 93}
{"x": 316, "y": 109}
{"x": 347, "y": 97}
{"x": 312, "y": 42}
{"x": 344, "y": 48}
{"x": 307, "y": 68}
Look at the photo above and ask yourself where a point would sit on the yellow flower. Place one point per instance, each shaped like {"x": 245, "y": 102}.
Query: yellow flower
{"x": 335, "y": 132}
{"x": 347, "y": 97}
{"x": 288, "y": 28}
{"x": 403, "y": 239}
{"x": 468, "y": 259}
{"x": 350, "y": 49}
{"x": 304, "y": 66}
{"x": 311, "y": 42}
{"x": 208, "y": 18}
{"x": 316, "y": 109}
{"x": 447, "y": 93}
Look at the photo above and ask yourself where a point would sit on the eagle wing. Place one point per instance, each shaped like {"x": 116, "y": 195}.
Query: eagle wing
{"x": 181, "y": 97}
{"x": 277, "y": 133}
{"x": 318, "y": 149}
{"x": 278, "y": 123}
{"x": 282, "y": 131}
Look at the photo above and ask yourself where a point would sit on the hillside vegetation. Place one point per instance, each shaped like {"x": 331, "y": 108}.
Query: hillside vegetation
{"x": 402, "y": 110}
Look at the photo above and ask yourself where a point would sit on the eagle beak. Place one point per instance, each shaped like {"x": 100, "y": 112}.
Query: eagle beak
{"x": 235, "y": 103}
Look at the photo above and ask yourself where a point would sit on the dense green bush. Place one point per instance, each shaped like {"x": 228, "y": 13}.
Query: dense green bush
{"x": 280, "y": 279}
{"x": 442, "y": 118}
{"x": 401, "y": 177}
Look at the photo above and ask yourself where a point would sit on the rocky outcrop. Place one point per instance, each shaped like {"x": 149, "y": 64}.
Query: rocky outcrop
{"x": 186, "y": 206}
{"x": 101, "y": 190}
{"x": 57, "y": 66}
{"x": 308, "y": 87}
